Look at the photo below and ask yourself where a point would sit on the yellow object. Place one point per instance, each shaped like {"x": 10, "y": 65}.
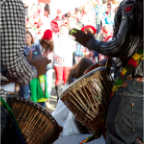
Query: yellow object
{"x": 42, "y": 100}
{"x": 124, "y": 71}
{"x": 136, "y": 56}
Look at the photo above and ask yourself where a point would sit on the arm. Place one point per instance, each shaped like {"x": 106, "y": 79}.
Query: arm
{"x": 126, "y": 36}
{"x": 12, "y": 42}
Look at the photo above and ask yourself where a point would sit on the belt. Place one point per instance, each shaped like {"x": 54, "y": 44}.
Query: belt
{"x": 138, "y": 79}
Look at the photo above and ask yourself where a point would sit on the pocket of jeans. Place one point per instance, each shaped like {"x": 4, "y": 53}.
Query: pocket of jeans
{"x": 137, "y": 113}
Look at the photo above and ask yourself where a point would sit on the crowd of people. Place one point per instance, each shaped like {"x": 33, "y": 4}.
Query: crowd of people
{"x": 50, "y": 43}
{"x": 46, "y": 37}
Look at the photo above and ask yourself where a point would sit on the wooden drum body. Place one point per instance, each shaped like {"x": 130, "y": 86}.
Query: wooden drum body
{"x": 89, "y": 96}
{"x": 36, "y": 124}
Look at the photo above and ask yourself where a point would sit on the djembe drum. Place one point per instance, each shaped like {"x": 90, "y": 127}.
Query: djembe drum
{"x": 36, "y": 124}
{"x": 89, "y": 96}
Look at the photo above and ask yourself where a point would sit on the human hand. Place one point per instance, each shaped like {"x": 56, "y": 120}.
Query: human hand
{"x": 80, "y": 36}
{"x": 40, "y": 64}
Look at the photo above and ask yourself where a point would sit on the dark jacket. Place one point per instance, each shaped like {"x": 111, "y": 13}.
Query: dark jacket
{"x": 128, "y": 34}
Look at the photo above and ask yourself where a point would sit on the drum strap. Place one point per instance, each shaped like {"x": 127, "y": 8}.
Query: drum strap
{"x": 127, "y": 70}
{"x": 2, "y": 102}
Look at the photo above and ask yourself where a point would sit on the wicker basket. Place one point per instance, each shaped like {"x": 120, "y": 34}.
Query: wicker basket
{"x": 36, "y": 124}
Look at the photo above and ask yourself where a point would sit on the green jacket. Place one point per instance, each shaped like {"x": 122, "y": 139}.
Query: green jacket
{"x": 37, "y": 95}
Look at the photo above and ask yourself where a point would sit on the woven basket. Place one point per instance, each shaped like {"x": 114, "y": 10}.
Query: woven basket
{"x": 89, "y": 96}
{"x": 36, "y": 124}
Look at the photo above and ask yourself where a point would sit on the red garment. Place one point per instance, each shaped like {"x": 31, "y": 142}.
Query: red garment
{"x": 54, "y": 26}
{"x": 47, "y": 35}
{"x": 61, "y": 73}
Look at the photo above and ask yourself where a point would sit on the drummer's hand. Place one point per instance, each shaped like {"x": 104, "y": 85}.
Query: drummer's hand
{"x": 40, "y": 64}
{"x": 80, "y": 36}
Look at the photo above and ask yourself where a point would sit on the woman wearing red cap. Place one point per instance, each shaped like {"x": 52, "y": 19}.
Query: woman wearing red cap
{"x": 46, "y": 46}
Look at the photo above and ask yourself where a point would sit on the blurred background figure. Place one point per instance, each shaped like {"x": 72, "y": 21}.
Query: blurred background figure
{"x": 63, "y": 57}
{"x": 88, "y": 15}
{"x": 100, "y": 8}
{"x": 114, "y": 4}
{"x": 36, "y": 53}
{"x": 46, "y": 18}
{"x": 47, "y": 47}
{"x": 56, "y": 22}
{"x": 108, "y": 16}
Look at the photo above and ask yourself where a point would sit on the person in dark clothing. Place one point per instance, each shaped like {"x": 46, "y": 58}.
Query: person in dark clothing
{"x": 124, "y": 121}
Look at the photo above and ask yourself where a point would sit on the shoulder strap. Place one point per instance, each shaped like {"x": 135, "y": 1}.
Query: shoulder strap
{"x": 127, "y": 70}
{"x": 9, "y": 110}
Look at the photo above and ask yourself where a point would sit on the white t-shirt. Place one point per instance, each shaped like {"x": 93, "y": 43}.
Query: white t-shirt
{"x": 64, "y": 47}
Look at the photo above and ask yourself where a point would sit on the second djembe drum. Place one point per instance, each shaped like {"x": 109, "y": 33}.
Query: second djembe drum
{"x": 88, "y": 97}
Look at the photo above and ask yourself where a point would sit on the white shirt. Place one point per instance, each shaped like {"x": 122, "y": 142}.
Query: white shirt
{"x": 64, "y": 47}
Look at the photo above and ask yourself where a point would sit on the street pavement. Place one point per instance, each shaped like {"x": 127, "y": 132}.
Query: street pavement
{"x": 76, "y": 139}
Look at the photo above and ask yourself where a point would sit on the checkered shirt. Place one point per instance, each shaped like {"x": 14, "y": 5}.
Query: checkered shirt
{"x": 12, "y": 38}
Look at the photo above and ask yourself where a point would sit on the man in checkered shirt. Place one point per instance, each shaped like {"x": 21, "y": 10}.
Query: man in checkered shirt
{"x": 12, "y": 38}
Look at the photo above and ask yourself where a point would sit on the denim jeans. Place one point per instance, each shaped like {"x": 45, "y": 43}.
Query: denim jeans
{"x": 42, "y": 104}
{"x": 124, "y": 121}
{"x": 24, "y": 91}
{"x": 98, "y": 26}
{"x": 10, "y": 133}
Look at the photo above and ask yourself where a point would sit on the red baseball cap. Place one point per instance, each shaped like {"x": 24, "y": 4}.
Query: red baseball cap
{"x": 47, "y": 34}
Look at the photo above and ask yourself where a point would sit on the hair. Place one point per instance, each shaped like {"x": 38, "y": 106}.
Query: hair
{"x": 32, "y": 41}
{"x": 113, "y": 1}
{"x": 47, "y": 46}
{"x": 109, "y": 4}
{"x": 104, "y": 1}
{"x": 78, "y": 69}
{"x": 47, "y": 8}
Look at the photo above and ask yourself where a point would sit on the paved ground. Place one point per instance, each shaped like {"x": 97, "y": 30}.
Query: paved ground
{"x": 76, "y": 139}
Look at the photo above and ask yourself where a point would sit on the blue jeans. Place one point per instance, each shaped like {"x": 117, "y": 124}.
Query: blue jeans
{"x": 124, "y": 121}
{"x": 24, "y": 91}
{"x": 98, "y": 26}
{"x": 10, "y": 133}
{"x": 42, "y": 104}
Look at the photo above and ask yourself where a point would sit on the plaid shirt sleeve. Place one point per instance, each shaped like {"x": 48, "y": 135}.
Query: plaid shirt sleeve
{"x": 12, "y": 27}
